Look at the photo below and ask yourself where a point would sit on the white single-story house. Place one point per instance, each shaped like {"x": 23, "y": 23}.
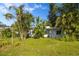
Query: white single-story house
{"x": 53, "y": 32}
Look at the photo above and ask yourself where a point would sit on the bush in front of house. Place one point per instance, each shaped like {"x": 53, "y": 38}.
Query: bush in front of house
{"x": 38, "y": 33}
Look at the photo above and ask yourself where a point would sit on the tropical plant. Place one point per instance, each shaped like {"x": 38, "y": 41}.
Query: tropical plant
{"x": 39, "y": 29}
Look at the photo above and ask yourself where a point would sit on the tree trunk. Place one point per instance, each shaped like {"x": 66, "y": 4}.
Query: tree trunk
{"x": 12, "y": 35}
{"x": 21, "y": 36}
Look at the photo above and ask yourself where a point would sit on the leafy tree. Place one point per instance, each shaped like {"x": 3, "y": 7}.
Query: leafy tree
{"x": 52, "y": 13}
{"x": 69, "y": 21}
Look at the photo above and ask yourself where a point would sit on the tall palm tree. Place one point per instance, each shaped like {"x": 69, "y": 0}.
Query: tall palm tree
{"x": 9, "y": 16}
{"x": 23, "y": 19}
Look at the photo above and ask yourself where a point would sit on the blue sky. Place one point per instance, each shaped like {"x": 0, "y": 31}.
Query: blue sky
{"x": 36, "y": 9}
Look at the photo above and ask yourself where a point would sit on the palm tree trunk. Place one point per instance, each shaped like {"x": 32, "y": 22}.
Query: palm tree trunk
{"x": 12, "y": 36}
{"x": 21, "y": 36}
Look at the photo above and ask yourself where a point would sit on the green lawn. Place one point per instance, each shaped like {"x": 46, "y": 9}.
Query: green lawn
{"x": 41, "y": 47}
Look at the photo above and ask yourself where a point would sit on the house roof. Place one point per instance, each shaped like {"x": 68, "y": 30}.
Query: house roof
{"x": 48, "y": 27}
{"x": 2, "y": 26}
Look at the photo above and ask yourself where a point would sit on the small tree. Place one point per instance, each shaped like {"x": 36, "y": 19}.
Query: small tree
{"x": 39, "y": 29}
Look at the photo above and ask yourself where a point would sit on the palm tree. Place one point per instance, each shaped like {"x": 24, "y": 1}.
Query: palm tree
{"x": 9, "y": 16}
{"x": 23, "y": 19}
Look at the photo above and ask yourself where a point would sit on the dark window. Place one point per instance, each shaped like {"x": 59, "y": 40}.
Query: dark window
{"x": 58, "y": 32}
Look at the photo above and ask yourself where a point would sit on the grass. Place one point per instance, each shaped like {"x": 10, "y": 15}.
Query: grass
{"x": 41, "y": 47}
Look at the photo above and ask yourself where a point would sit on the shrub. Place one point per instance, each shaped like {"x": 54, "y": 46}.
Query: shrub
{"x": 17, "y": 44}
{"x": 6, "y": 33}
{"x": 69, "y": 38}
{"x": 4, "y": 43}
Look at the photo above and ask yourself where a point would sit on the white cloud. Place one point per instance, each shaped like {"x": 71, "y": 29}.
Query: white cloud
{"x": 35, "y": 7}
{"x": 39, "y": 6}
{"x": 3, "y": 10}
{"x": 17, "y": 4}
{"x": 7, "y": 5}
{"x": 26, "y": 8}
{"x": 30, "y": 9}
